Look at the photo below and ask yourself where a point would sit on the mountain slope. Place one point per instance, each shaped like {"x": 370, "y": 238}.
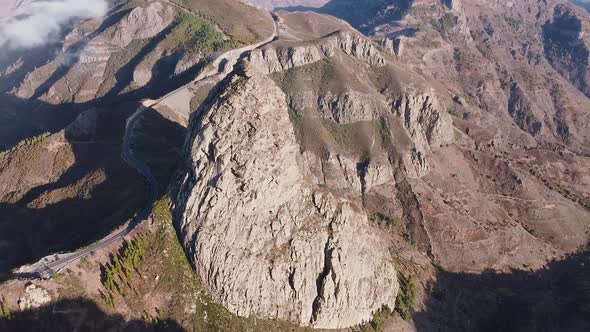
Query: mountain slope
{"x": 433, "y": 166}
{"x": 124, "y": 56}
{"x": 388, "y": 135}
{"x": 70, "y": 181}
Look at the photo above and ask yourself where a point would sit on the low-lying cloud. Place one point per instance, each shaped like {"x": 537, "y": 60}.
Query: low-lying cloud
{"x": 40, "y": 22}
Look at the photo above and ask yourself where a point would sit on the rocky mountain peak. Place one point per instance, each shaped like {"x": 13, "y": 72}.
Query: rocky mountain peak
{"x": 311, "y": 257}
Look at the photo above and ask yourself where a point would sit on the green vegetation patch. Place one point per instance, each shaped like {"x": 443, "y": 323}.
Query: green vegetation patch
{"x": 354, "y": 138}
{"x": 31, "y": 141}
{"x": 321, "y": 74}
{"x": 123, "y": 265}
{"x": 380, "y": 219}
{"x": 4, "y": 310}
{"x": 406, "y": 297}
{"x": 344, "y": 134}
{"x": 196, "y": 33}
{"x": 239, "y": 21}
{"x": 378, "y": 321}
{"x": 405, "y": 300}
{"x": 159, "y": 267}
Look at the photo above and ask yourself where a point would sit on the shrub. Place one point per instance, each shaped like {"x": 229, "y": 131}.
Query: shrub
{"x": 194, "y": 32}
{"x": 380, "y": 219}
{"x": 406, "y": 297}
{"x": 4, "y": 310}
{"x": 27, "y": 142}
{"x": 452, "y": 111}
{"x": 117, "y": 272}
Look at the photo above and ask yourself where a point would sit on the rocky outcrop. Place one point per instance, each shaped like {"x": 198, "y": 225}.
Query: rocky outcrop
{"x": 143, "y": 22}
{"x": 270, "y": 60}
{"x": 424, "y": 118}
{"x": 519, "y": 109}
{"x": 349, "y": 107}
{"x": 34, "y": 297}
{"x": 265, "y": 240}
{"x": 428, "y": 126}
{"x": 186, "y": 60}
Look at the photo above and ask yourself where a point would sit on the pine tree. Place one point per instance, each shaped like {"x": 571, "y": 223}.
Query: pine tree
{"x": 4, "y": 310}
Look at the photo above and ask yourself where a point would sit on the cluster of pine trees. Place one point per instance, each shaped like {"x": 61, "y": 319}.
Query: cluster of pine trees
{"x": 406, "y": 297}
{"x": 4, "y": 310}
{"x": 117, "y": 273}
{"x": 27, "y": 142}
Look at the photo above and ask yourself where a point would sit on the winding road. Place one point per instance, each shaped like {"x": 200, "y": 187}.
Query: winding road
{"x": 222, "y": 66}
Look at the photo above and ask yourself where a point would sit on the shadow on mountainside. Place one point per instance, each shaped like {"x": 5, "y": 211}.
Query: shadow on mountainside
{"x": 81, "y": 204}
{"x": 80, "y": 315}
{"x": 158, "y": 143}
{"x": 124, "y": 77}
{"x": 363, "y": 15}
{"x": 99, "y": 191}
{"x": 554, "y": 299}
{"x": 86, "y": 201}
{"x": 21, "y": 118}
{"x": 73, "y": 52}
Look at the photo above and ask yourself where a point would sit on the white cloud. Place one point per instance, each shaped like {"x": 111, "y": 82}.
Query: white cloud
{"x": 38, "y": 22}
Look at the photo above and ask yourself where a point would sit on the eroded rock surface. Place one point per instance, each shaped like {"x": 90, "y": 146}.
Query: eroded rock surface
{"x": 33, "y": 297}
{"x": 275, "y": 59}
{"x": 266, "y": 240}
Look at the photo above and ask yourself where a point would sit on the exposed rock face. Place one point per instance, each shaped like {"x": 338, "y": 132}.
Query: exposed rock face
{"x": 265, "y": 240}
{"x": 349, "y": 107}
{"x": 422, "y": 115}
{"x": 270, "y": 60}
{"x": 34, "y": 297}
{"x": 143, "y": 23}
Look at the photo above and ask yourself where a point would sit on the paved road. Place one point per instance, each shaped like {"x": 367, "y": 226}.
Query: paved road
{"x": 222, "y": 65}
{"x": 47, "y": 269}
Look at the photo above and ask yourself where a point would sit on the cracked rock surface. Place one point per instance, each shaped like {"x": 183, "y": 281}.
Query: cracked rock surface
{"x": 264, "y": 238}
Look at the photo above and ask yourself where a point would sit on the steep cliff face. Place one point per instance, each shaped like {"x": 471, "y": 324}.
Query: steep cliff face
{"x": 265, "y": 239}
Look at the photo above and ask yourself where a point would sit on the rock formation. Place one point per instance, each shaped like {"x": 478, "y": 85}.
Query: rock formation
{"x": 143, "y": 22}
{"x": 270, "y": 60}
{"x": 265, "y": 239}
{"x": 33, "y": 297}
